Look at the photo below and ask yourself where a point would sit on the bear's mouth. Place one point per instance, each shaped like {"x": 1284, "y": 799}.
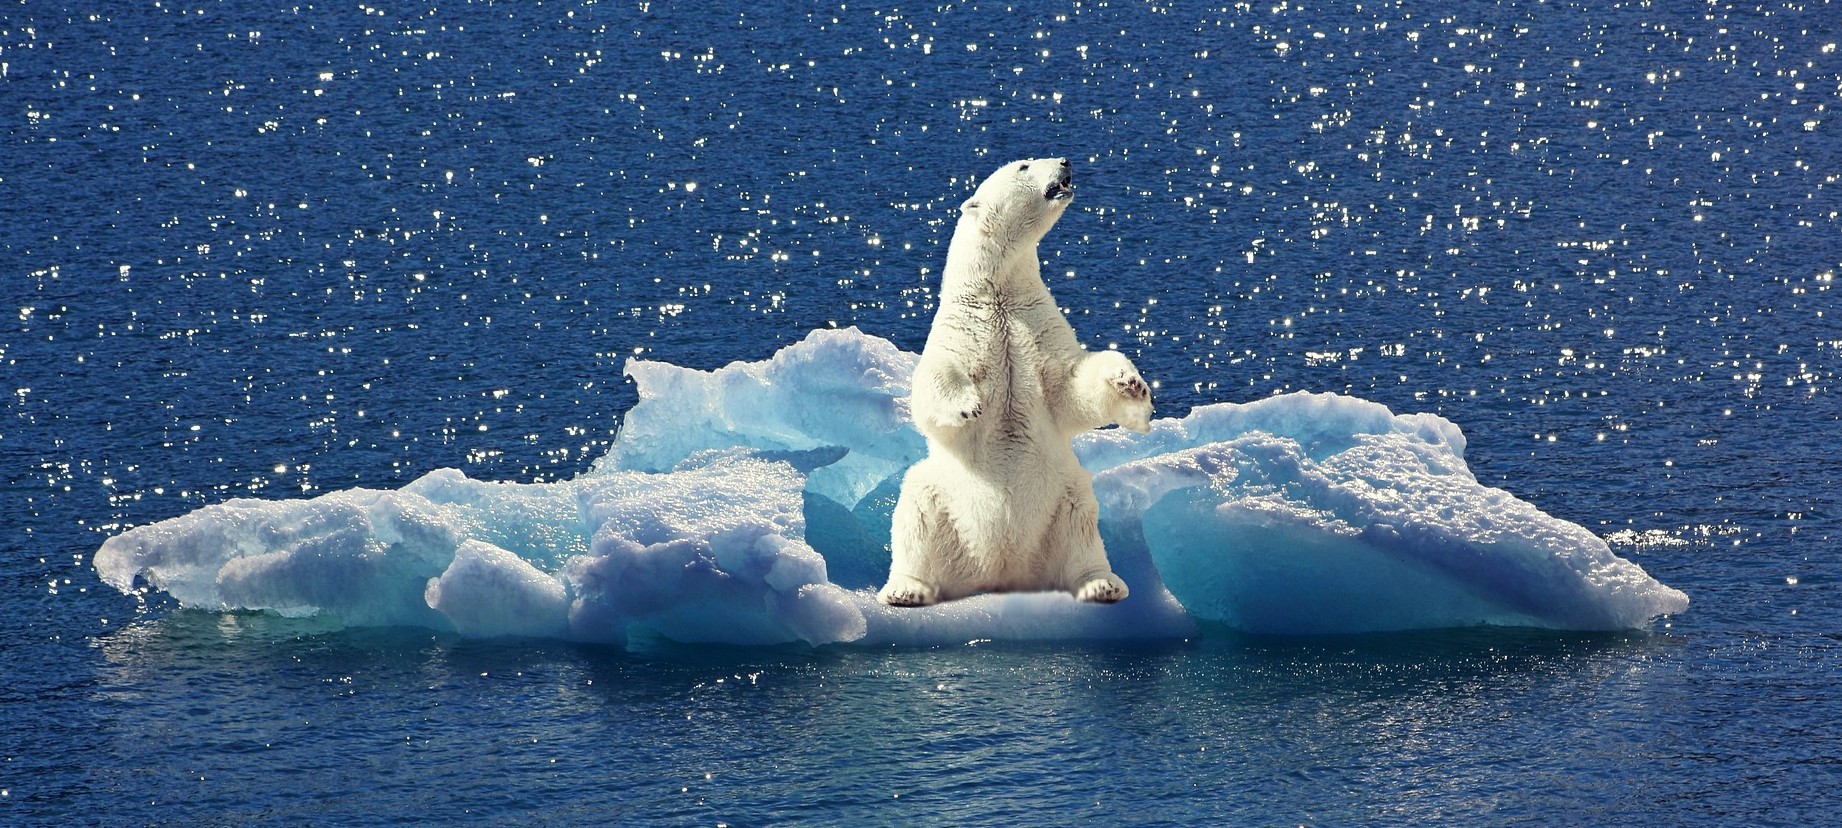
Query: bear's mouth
{"x": 1059, "y": 189}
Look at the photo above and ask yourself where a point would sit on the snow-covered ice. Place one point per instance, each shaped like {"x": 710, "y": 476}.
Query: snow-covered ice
{"x": 750, "y": 505}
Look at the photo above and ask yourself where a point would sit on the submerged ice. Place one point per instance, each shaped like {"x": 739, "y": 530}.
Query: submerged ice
{"x": 750, "y": 505}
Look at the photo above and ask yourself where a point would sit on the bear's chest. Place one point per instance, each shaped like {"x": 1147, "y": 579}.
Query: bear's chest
{"x": 1002, "y": 347}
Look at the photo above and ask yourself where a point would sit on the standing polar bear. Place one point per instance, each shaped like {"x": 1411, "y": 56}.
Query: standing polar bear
{"x": 1000, "y": 504}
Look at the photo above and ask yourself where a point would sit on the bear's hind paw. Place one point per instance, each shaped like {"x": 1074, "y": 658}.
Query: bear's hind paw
{"x": 1106, "y": 589}
{"x": 907, "y": 592}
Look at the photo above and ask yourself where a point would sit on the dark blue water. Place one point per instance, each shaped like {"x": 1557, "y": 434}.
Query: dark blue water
{"x": 277, "y": 251}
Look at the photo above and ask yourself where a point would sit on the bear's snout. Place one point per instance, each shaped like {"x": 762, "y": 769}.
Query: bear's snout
{"x": 1063, "y": 186}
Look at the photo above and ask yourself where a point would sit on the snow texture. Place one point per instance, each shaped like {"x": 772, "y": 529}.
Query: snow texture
{"x": 750, "y": 505}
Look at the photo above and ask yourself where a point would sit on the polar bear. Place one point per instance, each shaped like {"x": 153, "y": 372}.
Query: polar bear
{"x": 1002, "y": 387}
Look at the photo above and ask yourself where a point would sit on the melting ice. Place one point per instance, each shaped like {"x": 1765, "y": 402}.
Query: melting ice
{"x": 750, "y": 505}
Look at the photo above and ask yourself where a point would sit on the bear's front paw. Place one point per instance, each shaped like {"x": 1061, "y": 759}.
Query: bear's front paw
{"x": 957, "y": 411}
{"x": 1131, "y": 386}
{"x": 903, "y": 591}
{"x": 1131, "y": 407}
{"x": 952, "y": 417}
{"x": 1106, "y": 589}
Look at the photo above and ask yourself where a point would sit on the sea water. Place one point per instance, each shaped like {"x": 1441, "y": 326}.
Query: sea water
{"x": 281, "y": 252}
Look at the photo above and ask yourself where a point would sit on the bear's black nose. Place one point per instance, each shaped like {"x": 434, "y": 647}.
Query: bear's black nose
{"x": 1065, "y": 164}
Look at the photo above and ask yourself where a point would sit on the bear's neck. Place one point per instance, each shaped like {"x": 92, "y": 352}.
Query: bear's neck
{"x": 980, "y": 266}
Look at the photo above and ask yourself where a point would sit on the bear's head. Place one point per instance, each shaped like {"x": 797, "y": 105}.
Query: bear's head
{"x": 1021, "y": 201}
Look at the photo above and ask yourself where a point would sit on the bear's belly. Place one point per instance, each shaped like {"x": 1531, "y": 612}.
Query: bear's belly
{"x": 1002, "y": 523}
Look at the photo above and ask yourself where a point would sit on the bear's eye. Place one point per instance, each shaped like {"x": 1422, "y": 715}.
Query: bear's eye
{"x": 1022, "y": 167}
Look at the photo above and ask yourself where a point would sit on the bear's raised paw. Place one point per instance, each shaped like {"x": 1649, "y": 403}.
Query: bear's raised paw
{"x": 1131, "y": 386}
{"x": 1131, "y": 408}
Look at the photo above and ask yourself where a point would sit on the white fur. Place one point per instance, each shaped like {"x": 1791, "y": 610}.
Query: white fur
{"x": 1000, "y": 504}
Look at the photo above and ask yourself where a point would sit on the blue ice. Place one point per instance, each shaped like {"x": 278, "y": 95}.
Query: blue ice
{"x": 750, "y": 505}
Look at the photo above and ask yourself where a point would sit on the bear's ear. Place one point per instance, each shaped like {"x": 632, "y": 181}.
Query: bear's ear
{"x": 969, "y": 205}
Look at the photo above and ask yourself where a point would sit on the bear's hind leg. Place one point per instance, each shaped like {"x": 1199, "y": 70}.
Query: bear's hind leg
{"x": 919, "y": 530}
{"x": 1076, "y": 528}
